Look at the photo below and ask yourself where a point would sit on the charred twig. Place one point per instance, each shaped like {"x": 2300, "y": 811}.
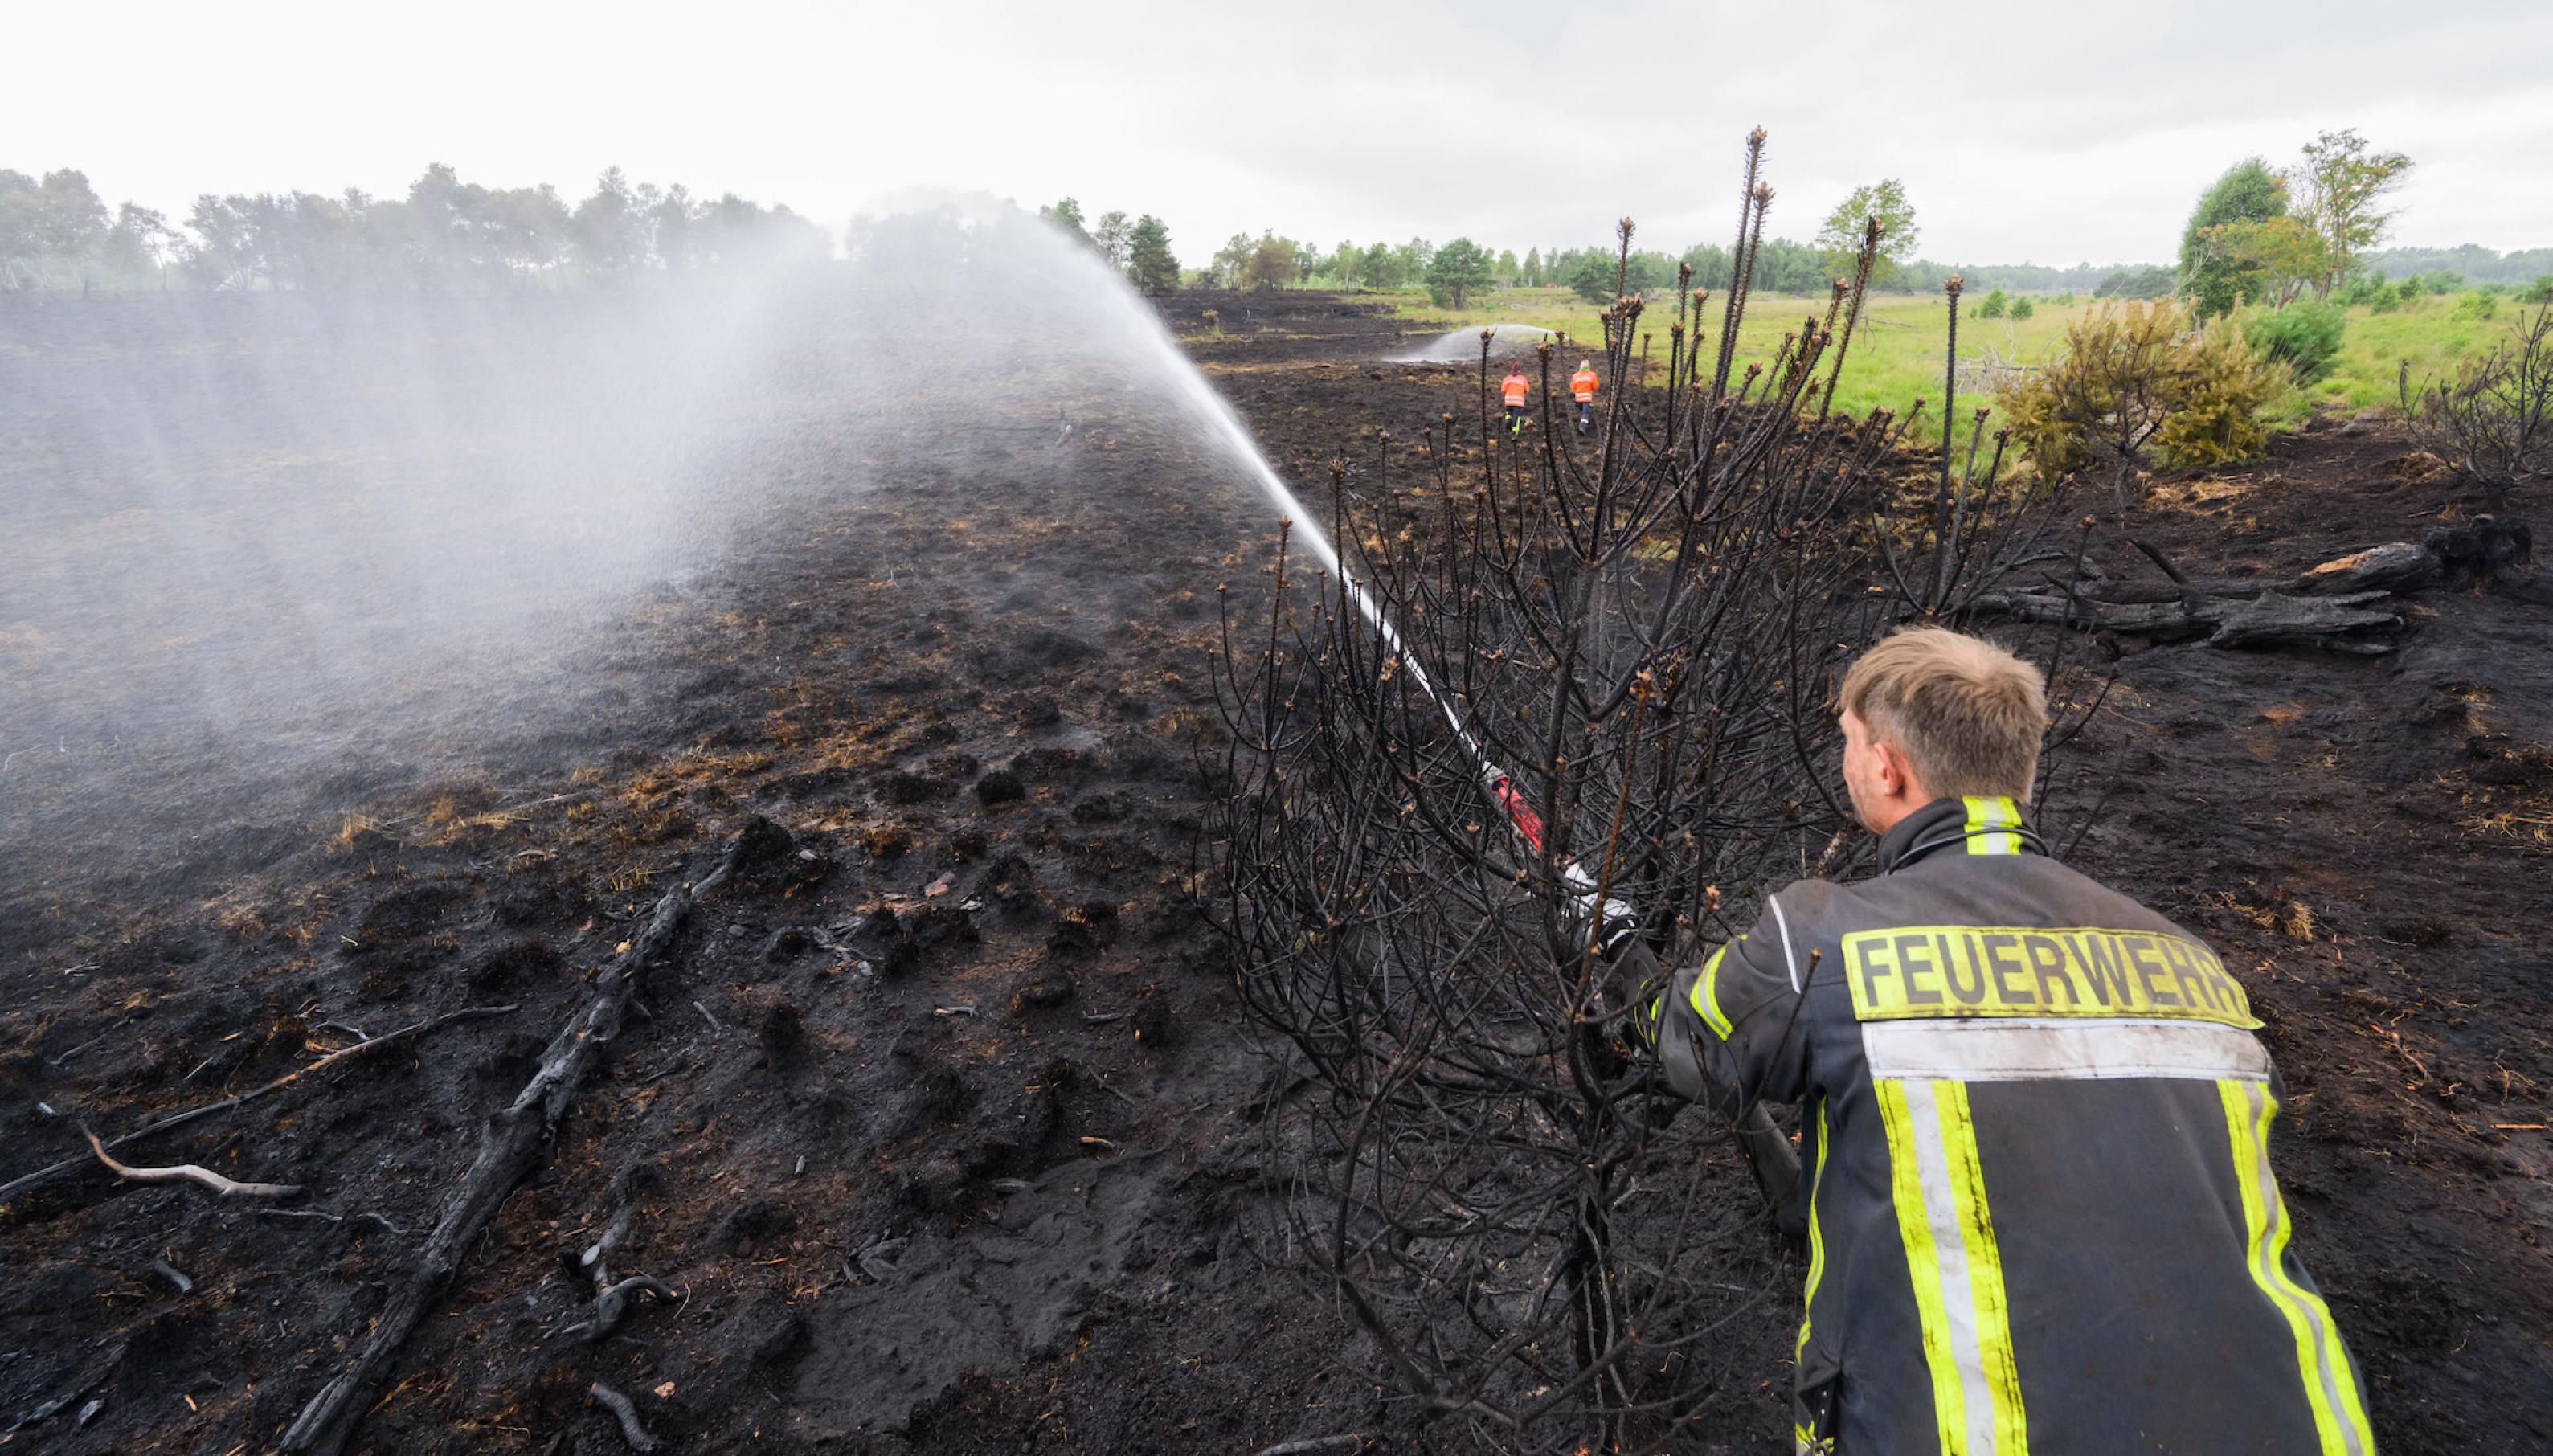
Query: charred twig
{"x": 511, "y": 1146}
{"x": 180, "y": 1119}
{"x": 191, "y": 1173}
{"x": 1311, "y": 1446}
{"x": 613, "y": 1302}
{"x": 624, "y": 1412}
{"x": 322, "y": 1215}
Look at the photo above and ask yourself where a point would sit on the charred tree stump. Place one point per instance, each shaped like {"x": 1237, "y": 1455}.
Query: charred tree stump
{"x": 512, "y": 1144}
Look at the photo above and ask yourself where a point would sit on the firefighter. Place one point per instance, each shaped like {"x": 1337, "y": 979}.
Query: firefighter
{"x": 1514, "y": 389}
{"x": 2034, "y": 1115}
{"x": 1582, "y": 387}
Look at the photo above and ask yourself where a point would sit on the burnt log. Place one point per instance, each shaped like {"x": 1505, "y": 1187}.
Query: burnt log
{"x": 512, "y": 1145}
{"x": 2398, "y": 565}
{"x": 2342, "y": 623}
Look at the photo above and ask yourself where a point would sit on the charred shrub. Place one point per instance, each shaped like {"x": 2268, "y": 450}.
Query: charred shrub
{"x": 904, "y": 789}
{"x": 755, "y": 1221}
{"x": 1001, "y": 786}
{"x": 518, "y": 963}
{"x": 783, "y": 1037}
{"x": 768, "y": 860}
{"x": 928, "y": 935}
{"x": 1084, "y": 929}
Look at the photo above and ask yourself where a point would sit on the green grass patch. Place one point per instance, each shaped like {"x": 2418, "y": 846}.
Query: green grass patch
{"x": 1897, "y": 351}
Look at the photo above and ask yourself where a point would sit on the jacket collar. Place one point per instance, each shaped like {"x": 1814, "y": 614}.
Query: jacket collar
{"x": 1958, "y": 827}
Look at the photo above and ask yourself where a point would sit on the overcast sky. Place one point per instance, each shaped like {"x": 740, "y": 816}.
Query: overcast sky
{"x": 2022, "y": 133}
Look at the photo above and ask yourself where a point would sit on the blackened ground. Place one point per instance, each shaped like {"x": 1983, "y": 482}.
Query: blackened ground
{"x": 856, "y": 1132}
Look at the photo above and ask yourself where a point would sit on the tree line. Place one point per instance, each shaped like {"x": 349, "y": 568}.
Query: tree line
{"x": 55, "y": 232}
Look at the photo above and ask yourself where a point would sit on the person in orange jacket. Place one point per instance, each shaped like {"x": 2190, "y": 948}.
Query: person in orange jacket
{"x": 1514, "y": 391}
{"x": 1581, "y": 386}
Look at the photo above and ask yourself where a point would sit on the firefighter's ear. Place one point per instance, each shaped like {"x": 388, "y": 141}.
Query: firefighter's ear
{"x": 1897, "y": 772}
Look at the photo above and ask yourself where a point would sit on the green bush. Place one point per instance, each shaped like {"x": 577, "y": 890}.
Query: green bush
{"x": 2064, "y": 299}
{"x": 2369, "y": 289}
{"x": 2214, "y": 399}
{"x": 2477, "y": 306}
{"x": 2022, "y": 308}
{"x": 2538, "y": 292}
{"x": 1992, "y": 305}
{"x": 2305, "y": 337}
{"x": 2130, "y": 378}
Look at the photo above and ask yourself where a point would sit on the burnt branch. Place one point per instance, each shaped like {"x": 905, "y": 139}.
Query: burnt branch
{"x": 512, "y": 1144}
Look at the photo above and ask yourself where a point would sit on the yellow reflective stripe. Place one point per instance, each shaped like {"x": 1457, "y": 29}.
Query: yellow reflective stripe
{"x": 2331, "y": 1389}
{"x": 1817, "y": 1240}
{"x": 1985, "y": 1267}
{"x": 1706, "y": 995}
{"x": 1923, "y": 1267}
{"x": 1987, "y": 815}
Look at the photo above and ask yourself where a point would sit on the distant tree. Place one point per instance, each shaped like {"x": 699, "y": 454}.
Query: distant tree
{"x": 139, "y": 245}
{"x": 49, "y": 228}
{"x": 1346, "y": 263}
{"x": 1414, "y": 255}
{"x": 1508, "y": 272}
{"x": 2022, "y": 308}
{"x": 1113, "y": 237}
{"x": 1066, "y": 215}
{"x": 1148, "y": 257}
{"x": 1232, "y": 257}
{"x": 1382, "y": 266}
{"x": 2214, "y": 276}
{"x": 1459, "y": 269}
{"x": 1992, "y": 304}
{"x": 608, "y": 228}
{"x": 1271, "y": 263}
{"x": 1840, "y": 238}
{"x": 2270, "y": 260}
{"x": 2341, "y": 185}
{"x": 1593, "y": 276}
{"x": 1533, "y": 267}
{"x": 20, "y": 205}
{"x": 2150, "y": 281}
{"x": 2538, "y": 292}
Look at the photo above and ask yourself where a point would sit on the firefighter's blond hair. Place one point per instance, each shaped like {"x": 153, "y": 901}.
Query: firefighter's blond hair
{"x": 1968, "y": 715}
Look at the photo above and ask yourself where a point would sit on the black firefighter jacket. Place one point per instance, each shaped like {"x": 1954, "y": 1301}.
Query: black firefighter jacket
{"x": 2041, "y": 1215}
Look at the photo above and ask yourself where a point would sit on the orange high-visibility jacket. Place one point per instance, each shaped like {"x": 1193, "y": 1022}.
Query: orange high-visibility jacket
{"x": 1515, "y": 388}
{"x": 1582, "y": 384}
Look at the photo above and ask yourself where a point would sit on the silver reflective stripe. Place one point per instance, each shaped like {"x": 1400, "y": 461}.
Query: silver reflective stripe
{"x": 2004, "y": 1049}
{"x": 1789, "y": 958}
{"x": 1951, "y": 1252}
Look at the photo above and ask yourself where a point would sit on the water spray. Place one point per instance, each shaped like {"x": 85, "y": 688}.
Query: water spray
{"x": 1611, "y": 919}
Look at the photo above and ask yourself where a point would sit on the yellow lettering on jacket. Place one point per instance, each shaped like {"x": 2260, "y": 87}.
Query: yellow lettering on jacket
{"x": 2007, "y": 970}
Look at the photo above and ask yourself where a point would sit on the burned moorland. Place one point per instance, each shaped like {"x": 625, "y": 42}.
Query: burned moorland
{"x": 852, "y": 855}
